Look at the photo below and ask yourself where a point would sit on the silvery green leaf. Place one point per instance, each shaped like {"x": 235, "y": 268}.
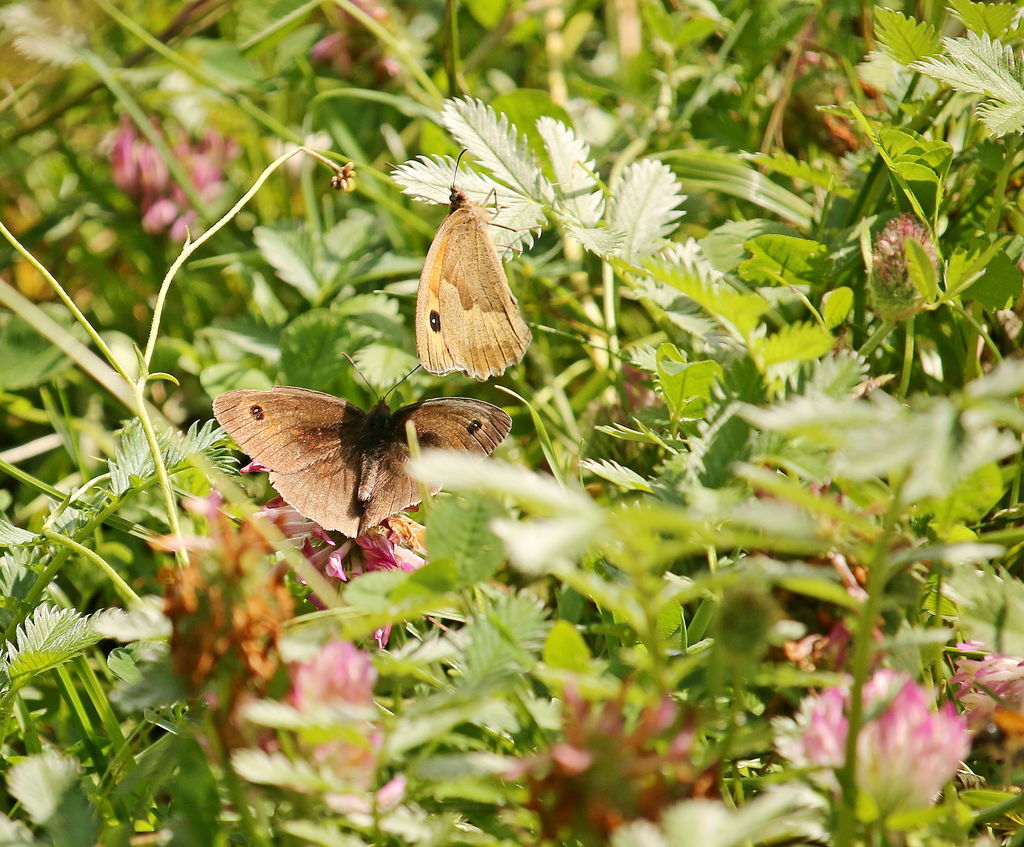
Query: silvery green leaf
{"x": 47, "y": 639}
{"x": 145, "y": 620}
{"x": 603, "y": 241}
{"x": 40, "y": 782}
{"x": 1002, "y": 118}
{"x": 42, "y": 37}
{"x": 615, "y": 473}
{"x": 577, "y": 191}
{"x": 645, "y": 207}
{"x": 15, "y": 833}
{"x": 497, "y": 145}
{"x": 14, "y": 536}
{"x": 976, "y": 64}
{"x": 277, "y": 769}
{"x": 517, "y": 219}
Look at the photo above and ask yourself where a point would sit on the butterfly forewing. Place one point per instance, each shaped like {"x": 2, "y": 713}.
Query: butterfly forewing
{"x": 308, "y": 440}
{"x": 339, "y": 466}
{"x": 466, "y": 316}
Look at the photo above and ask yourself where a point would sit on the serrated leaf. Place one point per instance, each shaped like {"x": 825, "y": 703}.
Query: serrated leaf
{"x": 992, "y": 19}
{"x": 577, "y": 191}
{"x": 383, "y": 365}
{"x": 645, "y": 208}
{"x": 784, "y": 259}
{"x": 132, "y": 464}
{"x": 905, "y": 39}
{"x": 516, "y": 218}
{"x": 603, "y": 241}
{"x": 277, "y": 769}
{"x": 14, "y": 536}
{"x": 311, "y": 350}
{"x": 504, "y": 640}
{"x": 458, "y": 528}
{"x": 793, "y": 343}
{"x": 48, "y": 638}
{"x": 43, "y": 37}
{"x": 1002, "y": 118}
{"x": 40, "y": 783}
{"x": 291, "y": 253}
{"x": 497, "y": 145}
{"x": 836, "y": 305}
{"x": 625, "y": 478}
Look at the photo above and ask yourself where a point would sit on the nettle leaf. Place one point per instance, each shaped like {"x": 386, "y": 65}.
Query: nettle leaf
{"x": 458, "y": 528}
{"x": 14, "y": 536}
{"x": 41, "y": 782}
{"x": 497, "y": 145}
{"x": 785, "y": 260}
{"x": 43, "y": 38}
{"x": 132, "y": 464}
{"x": 645, "y": 207}
{"x": 45, "y": 640}
{"x": 290, "y": 251}
{"x": 793, "y": 343}
{"x": 603, "y": 241}
{"x": 504, "y": 640}
{"x": 578, "y": 193}
{"x": 625, "y": 478}
{"x": 731, "y": 308}
{"x": 981, "y": 65}
{"x": 517, "y": 218}
{"x": 992, "y": 19}
{"x": 991, "y": 608}
{"x": 905, "y": 39}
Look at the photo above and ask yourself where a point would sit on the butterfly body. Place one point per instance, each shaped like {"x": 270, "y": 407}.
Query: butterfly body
{"x": 466, "y": 316}
{"x": 340, "y": 466}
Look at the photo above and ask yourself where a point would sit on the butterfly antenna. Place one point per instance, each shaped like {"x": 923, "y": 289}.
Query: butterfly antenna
{"x": 355, "y": 367}
{"x": 458, "y": 161}
{"x": 403, "y": 379}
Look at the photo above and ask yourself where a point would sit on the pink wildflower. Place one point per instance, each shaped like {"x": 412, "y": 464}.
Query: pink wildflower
{"x": 140, "y": 171}
{"x": 984, "y": 685}
{"x": 906, "y": 751}
{"x": 338, "y": 674}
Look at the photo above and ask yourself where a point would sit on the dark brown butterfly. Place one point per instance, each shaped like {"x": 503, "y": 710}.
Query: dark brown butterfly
{"x": 340, "y": 466}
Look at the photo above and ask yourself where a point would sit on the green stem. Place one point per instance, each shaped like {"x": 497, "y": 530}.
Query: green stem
{"x": 878, "y": 575}
{"x": 908, "y": 357}
{"x": 451, "y": 53}
{"x": 877, "y": 337}
{"x": 122, "y": 587}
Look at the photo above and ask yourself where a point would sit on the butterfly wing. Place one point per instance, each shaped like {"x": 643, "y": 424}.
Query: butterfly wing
{"x": 466, "y": 316}
{"x": 311, "y": 443}
{"x": 453, "y": 423}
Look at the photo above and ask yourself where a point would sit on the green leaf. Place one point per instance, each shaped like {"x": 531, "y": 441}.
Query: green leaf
{"x": 686, "y": 386}
{"x": 579, "y": 195}
{"x": 14, "y": 536}
{"x": 38, "y": 359}
{"x": 625, "y": 478}
{"x": 967, "y": 264}
{"x": 998, "y": 286}
{"x": 311, "y": 351}
{"x": 704, "y": 170}
{"x": 991, "y": 608}
{"x": 921, "y": 270}
{"x": 45, "y": 640}
{"x": 785, "y": 260}
{"x": 905, "y": 39}
{"x": 644, "y": 208}
{"x": 290, "y": 251}
{"x": 47, "y": 786}
{"x": 793, "y": 343}
{"x": 566, "y": 649}
{"x": 458, "y": 528}
{"x": 383, "y": 365}
{"x": 788, "y": 165}
{"x": 992, "y": 19}
{"x": 836, "y": 305}
{"x": 488, "y": 13}
{"x": 255, "y": 17}
{"x": 497, "y": 144}
{"x": 504, "y": 640}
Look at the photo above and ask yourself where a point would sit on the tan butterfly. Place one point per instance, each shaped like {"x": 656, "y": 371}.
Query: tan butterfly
{"x": 340, "y": 466}
{"x": 466, "y": 317}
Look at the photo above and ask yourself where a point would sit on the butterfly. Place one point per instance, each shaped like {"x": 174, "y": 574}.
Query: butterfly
{"x": 340, "y": 466}
{"x": 466, "y": 316}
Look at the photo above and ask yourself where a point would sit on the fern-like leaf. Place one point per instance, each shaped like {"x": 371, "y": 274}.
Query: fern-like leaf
{"x": 579, "y": 195}
{"x": 903, "y": 38}
{"x": 505, "y": 641}
{"x": 497, "y": 145}
{"x": 645, "y": 207}
{"x": 47, "y": 639}
{"x": 517, "y": 219}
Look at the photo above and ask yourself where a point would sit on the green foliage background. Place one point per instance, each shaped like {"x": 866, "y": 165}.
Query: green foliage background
{"x": 722, "y": 403}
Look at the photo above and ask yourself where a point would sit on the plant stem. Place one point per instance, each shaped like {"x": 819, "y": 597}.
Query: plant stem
{"x": 122, "y": 587}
